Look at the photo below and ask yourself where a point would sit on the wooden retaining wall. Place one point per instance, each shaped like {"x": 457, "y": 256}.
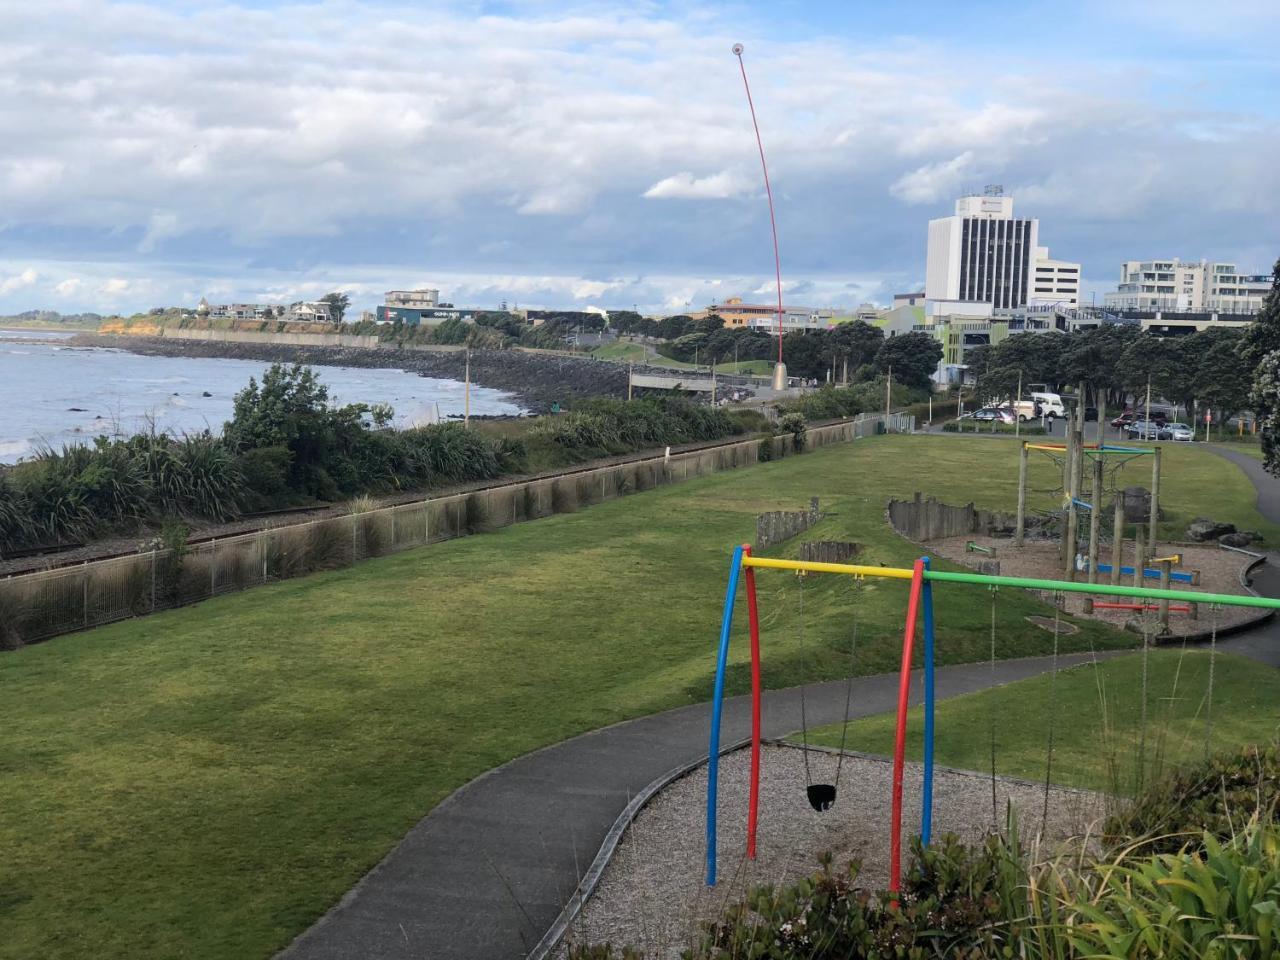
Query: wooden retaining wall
{"x": 44, "y": 604}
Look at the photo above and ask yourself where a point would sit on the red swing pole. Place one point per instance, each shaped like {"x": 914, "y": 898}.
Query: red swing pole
{"x": 753, "y": 619}
{"x": 900, "y": 739}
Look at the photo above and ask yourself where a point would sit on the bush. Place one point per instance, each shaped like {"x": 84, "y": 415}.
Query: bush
{"x": 266, "y": 471}
{"x": 1215, "y": 901}
{"x": 15, "y": 514}
{"x": 1213, "y": 798}
{"x": 793, "y": 423}
{"x": 966, "y": 426}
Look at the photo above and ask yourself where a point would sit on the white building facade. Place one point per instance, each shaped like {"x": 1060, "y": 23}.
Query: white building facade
{"x": 1203, "y": 287}
{"x": 984, "y": 254}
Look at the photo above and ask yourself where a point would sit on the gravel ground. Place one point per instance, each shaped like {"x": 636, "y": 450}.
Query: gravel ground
{"x": 1219, "y": 573}
{"x": 653, "y": 894}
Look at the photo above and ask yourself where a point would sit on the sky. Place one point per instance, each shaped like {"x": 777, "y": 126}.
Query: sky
{"x": 601, "y": 154}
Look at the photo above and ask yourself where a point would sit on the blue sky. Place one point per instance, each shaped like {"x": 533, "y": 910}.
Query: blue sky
{"x": 553, "y": 154}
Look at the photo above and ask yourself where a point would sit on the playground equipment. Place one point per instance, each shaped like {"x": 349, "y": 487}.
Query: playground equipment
{"x": 1071, "y": 458}
{"x": 1150, "y": 573}
{"x": 919, "y": 600}
{"x": 1091, "y": 605}
{"x": 971, "y": 547}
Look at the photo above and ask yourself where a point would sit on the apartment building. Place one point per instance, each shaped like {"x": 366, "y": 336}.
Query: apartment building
{"x": 1200, "y": 287}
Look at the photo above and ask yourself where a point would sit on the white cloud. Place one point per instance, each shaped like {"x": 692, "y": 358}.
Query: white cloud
{"x": 285, "y": 152}
{"x": 18, "y": 281}
{"x": 68, "y": 287}
{"x": 934, "y": 181}
{"x": 115, "y": 287}
{"x": 685, "y": 186}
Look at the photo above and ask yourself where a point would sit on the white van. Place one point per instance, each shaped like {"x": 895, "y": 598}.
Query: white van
{"x": 1050, "y": 404}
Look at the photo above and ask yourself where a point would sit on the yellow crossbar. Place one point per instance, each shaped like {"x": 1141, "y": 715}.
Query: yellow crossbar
{"x": 813, "y": 566}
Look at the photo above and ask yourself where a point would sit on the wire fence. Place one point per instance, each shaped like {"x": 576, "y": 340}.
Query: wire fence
{"x": 37, "y": 606}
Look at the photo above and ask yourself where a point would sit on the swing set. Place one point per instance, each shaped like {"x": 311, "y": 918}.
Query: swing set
{"x": 822, "y": 796}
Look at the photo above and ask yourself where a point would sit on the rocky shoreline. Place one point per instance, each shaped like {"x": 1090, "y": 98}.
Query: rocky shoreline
{"x": 537, "y": 380}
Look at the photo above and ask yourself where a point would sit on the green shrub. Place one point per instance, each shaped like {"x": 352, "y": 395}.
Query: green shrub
{"x": 967, "y": 426}
{"x": 15, "y": 514}
{"x": 266, "y": 471}
{"x": 1213, "y": 902}
{"x": 793, "y": 423}
{"x": 1213, "y": 797}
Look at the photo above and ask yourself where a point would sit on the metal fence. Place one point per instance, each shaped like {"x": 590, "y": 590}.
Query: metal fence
{"x": 36, "y": 606}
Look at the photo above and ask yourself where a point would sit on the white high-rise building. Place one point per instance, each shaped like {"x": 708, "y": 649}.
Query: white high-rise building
{"x": 983, "y": 254}
{"x": 1174, "y": 286}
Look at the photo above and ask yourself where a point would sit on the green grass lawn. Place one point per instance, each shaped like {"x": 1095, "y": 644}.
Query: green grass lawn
{"x": 620, "y": 350}
{"x": 206, "y": 782}
{"x": 1096, "y": 719}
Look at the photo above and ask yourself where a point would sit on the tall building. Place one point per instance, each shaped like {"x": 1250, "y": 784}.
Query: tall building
{"x": 984, "y": 254}
{"x": 1203, "y": 287}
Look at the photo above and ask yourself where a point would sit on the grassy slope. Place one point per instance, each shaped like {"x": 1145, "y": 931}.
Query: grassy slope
{"x": 207, "y": 781}
{"x": 1097, "y": 721}
{"x": 634, "y": 351}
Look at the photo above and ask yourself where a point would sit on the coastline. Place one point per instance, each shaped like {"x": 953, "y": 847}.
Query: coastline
{"x": 536, "y": 380}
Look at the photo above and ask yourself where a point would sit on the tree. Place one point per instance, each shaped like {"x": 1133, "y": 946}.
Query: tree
{"x": 290, "y": 410}
{"x": 914, "y": 358}
{"x": 1265, "y": 400}
{"x": 852, "y": 344}
{"x": 1221, "y": 382}
{"x": 1263, "y": 336}
{"x": 338, "y": 303}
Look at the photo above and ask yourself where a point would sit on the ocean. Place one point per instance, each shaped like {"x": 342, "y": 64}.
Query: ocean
{"x": 52, "y": 394}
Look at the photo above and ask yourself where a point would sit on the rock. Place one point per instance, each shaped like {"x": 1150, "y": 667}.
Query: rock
{"x": 1203, "y": 530}
{"x": 76, "y": 410}
{"x": 206, "y": 394}
{"x": 989, "y": 567}
{"x": 1235, "y": 539}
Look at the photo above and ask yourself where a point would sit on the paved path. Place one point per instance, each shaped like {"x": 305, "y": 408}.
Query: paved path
{"x": 486, "y": 873}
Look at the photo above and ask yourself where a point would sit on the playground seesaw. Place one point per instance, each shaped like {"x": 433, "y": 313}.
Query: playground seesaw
{"x": 921, "y": 579}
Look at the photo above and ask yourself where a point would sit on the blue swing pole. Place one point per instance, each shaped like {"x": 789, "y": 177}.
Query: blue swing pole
{"x": 926, "y": 808}
{"x": 717, "y": 705}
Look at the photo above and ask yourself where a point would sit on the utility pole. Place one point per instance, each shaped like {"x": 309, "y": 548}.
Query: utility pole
{"x": 630, "y": 375}
{"x": 466, "y": 401}
{"x": 888, "y": 393}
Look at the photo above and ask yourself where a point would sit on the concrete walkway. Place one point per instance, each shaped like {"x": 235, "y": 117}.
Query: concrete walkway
{"x": 486, "y": 873}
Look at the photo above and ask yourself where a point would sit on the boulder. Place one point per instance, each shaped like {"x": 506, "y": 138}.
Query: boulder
{"x": 1202, "y": 530}
{"x": 1236, "y": 539}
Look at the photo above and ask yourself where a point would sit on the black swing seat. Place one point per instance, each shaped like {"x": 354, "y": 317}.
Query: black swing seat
{"x": 821, "y": 796}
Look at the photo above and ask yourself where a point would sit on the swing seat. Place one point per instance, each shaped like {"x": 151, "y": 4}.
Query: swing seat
{"x": 821, "y": 796}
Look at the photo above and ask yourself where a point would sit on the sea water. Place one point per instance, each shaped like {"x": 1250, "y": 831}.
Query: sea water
{"x": 52, "y": 393}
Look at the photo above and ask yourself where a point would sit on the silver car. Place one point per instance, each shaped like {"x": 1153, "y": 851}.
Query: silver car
{"x": 1177, "y": 431}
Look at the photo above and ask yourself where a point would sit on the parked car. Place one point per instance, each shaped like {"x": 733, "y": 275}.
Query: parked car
{"x": 1177, "y": 431}
{"x": 987, "y": 414}
{"x": 1143, "y": 430}
{"x": 1123, "y": 420}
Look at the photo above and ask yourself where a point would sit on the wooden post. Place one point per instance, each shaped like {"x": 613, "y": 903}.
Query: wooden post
{"x": 1155, "y": 500}
{"x": 1072, "y": 489}
{"x": 630, "y": 373}
{"x": 1117, "y": 538}
{"x": 1102, "y": 420}
{"x": 1095, "y": 520}
{"x": 1022, "y": 497}
{"x": 466, "y": 401}
{"x": 1165, "y": 568}
{"x": 1139, "y": 557}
